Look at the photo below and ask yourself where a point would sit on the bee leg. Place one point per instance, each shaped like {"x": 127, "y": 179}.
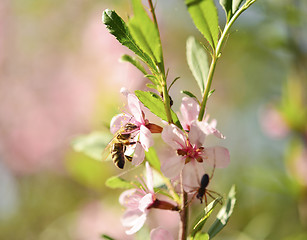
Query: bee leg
{"x": 129, "y": 158}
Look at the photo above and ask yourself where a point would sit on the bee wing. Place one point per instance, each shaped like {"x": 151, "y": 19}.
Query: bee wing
{"x": 106, "y": 152}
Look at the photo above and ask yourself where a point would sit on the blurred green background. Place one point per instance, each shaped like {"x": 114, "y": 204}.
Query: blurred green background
{"x": 60, "y": 78}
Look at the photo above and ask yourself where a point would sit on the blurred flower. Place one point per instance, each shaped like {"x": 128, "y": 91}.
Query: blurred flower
{"x": 190, "y": 154}
{"x": 138, "y": 202}
{"x": 301, "y": 166}
{"x": 273, "y": 124}
{"x": 96, "y": 219}
{"x": 160, "y": 234}
{"x": 142, "y": 135}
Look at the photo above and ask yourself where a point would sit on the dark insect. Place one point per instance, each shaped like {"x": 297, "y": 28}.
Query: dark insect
{"x": 202, "y": 191}
{"x": 118, "y": 145}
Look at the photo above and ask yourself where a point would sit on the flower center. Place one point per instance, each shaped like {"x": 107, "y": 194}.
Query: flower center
{"x": 191, "y": 152}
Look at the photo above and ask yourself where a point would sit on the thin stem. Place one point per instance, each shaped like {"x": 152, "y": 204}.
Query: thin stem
{"x": 184, "y": 214}
{"x": 207, "y": 89}
{"x": 152, "y": 10}
{"x": 166, "y": 101}
{"x": 166, "y": 98}
{"x": 216, "y": 55}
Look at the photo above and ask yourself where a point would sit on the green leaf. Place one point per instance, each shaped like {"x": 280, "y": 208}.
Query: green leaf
{"x": 201, "y": 236}
{"x": 230, "y": 7}
{"x": 117, "y": 182}
{"x": 205, "y": 18}
{"x": 134, "y": 62}
{"x": 153, "y": 79}
{"x": 235, "y": 5}
{"x": 149, "y": 85}
{"x": 190, "y": 94}
{"x": 198, "y": 62}
{"x": 153, "y": 159}
{"x": 154, "y": 103}
{"x": 145, "y": 32}
{"x": 92, "y": 144}
{"x": 104, "y": 236}
{"x": 211, "y": 92}
{"x": 224, "y": 214}
{"x": 204, "y": 216}
{"x": 117, "y": 27}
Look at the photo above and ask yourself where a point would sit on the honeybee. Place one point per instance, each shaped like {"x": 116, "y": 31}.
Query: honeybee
{"x": 118, "y": 145}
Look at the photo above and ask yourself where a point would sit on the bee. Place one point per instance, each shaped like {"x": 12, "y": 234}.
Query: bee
{"x": 118, "y": 145}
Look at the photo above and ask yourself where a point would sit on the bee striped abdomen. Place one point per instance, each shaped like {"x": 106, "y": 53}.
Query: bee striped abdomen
{"x": 118, "y": 156}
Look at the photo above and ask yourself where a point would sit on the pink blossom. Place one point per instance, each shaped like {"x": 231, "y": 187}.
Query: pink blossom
{"x": 190, "y": 154}
{"x": 138, "y": 203}
{"x": 142, "y": 134}
{"x": 160, "y": 234}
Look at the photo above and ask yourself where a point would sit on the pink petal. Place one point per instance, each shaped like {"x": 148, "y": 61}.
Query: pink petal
{"x": 217, "y": 156}
{"x": 145, "y": 137}
{"x": 208, "y": 129}
{"x": 149, "y": 178}
{"x": 139, "y": 155}
{"x": 160, "y": 234}
{"x": 119, "y": 121}
{"x": 189, "y": 110}
{"x": 172, "y": 167}
{"x": 212, "y": 129}
{"x": 134, "y": 219}
{"x": 173, "y": 136}
{"x": 135, "y": 108}
{"x": 191, "y": 175}
{"x": 129, "y": 199}
{"x": 130, "y": 217}
{"x": 197, "y": 135}
{"x": 146, "y": 202}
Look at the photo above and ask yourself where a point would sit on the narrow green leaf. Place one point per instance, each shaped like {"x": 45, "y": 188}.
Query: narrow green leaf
{"x": 117, "y": 182}
{"x": 211, "y": 92}
{"x": 190, "y": 94}
{"x": 153, "y": 159}
{"x": 205, "y": 17}
{"x": 149, "y": 85}
{"x": 204, "y": 216}
{"x": 224, "y": 214}
{"x": 154, "y": 103}
{"x": 198, "y": 62}
{"x": 153, "y": 79}
{"x": 92, "y": 144}
{"x": 134, "y": 62}
{"x": 172, "y": 83}
{"x": 117, "y": 27}
{"x": 104, "y": 236}
{"x": 145, "y": 32}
